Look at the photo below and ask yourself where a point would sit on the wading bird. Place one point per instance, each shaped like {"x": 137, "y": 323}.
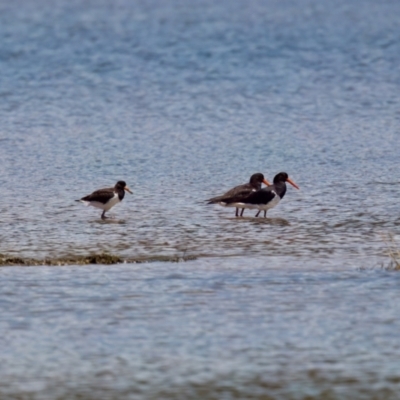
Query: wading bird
{"x": 106, "y": 198}
{"x": 269, "y": 197}
{"x": 234, "y": 197}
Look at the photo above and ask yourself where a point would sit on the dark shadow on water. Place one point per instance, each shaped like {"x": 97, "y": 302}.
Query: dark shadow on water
{"x": 261, "y": 220}
{"x": 271, "y": 221}
{"x": 109, "y": 221}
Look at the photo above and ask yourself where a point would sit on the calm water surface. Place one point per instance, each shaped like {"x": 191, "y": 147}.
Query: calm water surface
{"x": 184, "y": 100}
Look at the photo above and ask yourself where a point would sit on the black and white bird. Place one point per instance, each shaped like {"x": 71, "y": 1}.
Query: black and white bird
{"x": 106, "y": 198}
{"x": 269, "y": 197}
{"x": 234, "y": 197}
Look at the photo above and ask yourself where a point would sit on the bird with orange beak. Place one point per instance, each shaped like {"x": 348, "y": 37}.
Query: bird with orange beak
{"x": 267, "y": 198}
{"x": 106, "y": 198}
{"x": 238, "y": 193}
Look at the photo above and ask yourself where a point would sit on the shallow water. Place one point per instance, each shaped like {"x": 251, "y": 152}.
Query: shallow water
{"x": 211, "y": 328}
{"x": 184, "y": 100}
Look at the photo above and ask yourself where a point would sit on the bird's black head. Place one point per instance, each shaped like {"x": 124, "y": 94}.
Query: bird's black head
{"x": 257, "y": 178}
{"x": 284, "y": 177}
{"x": 281, "y": 177}
{"x": 122, "y": 185}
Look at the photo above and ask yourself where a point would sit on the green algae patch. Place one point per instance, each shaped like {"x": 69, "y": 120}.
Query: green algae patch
{"x": 9, "y": 260}
{"x": 100, "y": 259}
{"x": 104, "y": 258}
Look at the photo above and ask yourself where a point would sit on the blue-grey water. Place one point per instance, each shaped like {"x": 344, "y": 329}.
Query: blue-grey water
{"x": 183, "y": 100}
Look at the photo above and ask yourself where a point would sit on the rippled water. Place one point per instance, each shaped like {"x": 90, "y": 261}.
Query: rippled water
{"x": 221, "y": 328}
{"x": 184, "y": 100}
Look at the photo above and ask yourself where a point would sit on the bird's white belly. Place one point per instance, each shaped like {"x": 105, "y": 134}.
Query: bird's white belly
{"x": 274, "y": 202}
{"x": 240, "y": 205}
{"x": 105, "y": 207}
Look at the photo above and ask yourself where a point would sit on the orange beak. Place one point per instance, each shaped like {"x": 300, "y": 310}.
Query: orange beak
{"x": 265, "y": 182}
{"x": 292, "y": 183}
{"x": 128, "y": 190}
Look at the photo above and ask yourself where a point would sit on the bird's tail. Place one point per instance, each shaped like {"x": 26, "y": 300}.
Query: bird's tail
{"x": 86, "y": 203}
{"x": 215, "y": 200}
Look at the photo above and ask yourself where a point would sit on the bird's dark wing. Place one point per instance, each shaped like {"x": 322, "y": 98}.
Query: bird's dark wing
{"x": 101, "y": 195}
{"x": 238, "y": 192}
{"x": 262, "y": 196}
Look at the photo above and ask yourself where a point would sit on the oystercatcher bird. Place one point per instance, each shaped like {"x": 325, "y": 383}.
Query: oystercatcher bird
{"x": 234, "y": 197}
{"x": 106, "y": 198}
{"x": 269, "y": 197}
